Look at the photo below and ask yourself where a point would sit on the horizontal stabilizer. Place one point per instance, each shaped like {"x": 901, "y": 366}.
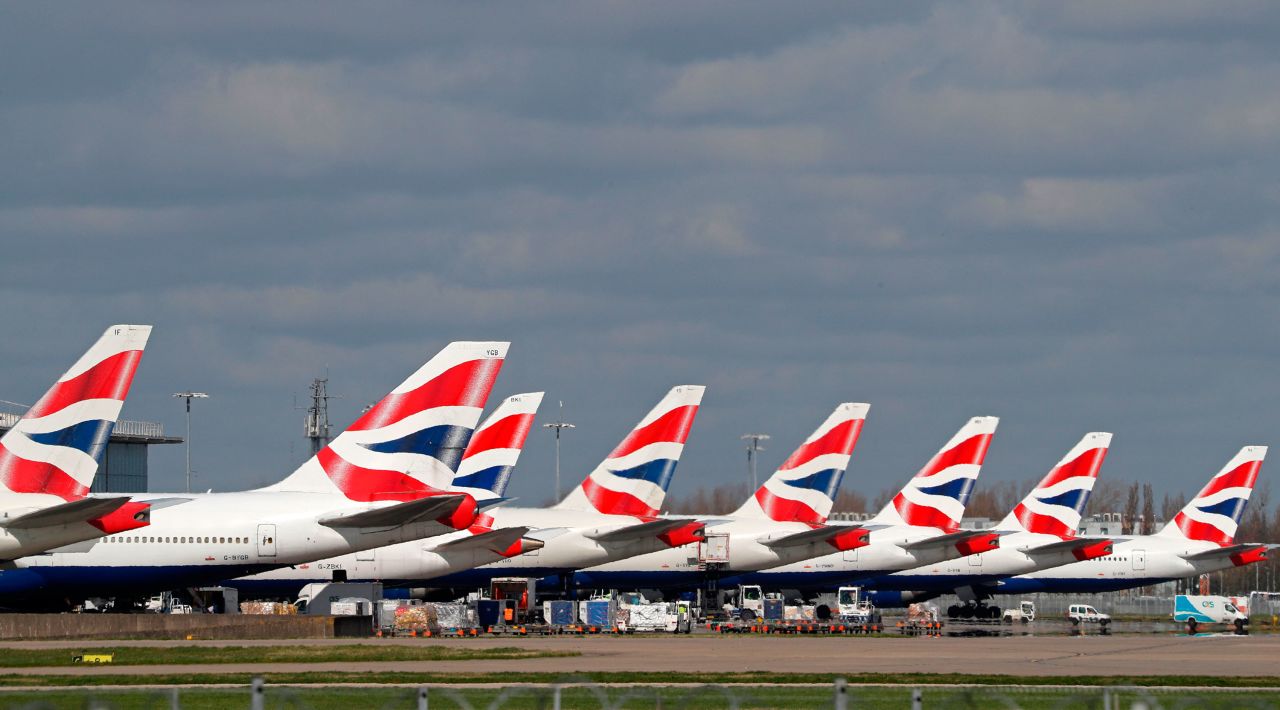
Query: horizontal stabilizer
{"x": 1224, "y": 551}
{"x": 641, "y": 530}
{"x": 1075, "y": 543}
{"x": 428, "y": 508}
{"x": 946, "y": 540}
{"x": 79, "y": 511}
{"x": 496, "y": 540}
{"x": 826, "y": 533}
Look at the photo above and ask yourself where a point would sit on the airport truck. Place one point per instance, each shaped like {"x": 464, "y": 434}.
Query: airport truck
{"x": 1194, "y": 610}
{"x": 853, "y": 609}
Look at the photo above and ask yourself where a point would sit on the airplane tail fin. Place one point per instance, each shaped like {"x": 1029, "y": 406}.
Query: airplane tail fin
{"x": 55, "y": 448}
{"x": 1054, "y": 507}
{"x": 633, "y": 479}
{"x": 938, "y": 494}
{"x": 495, "y": 448}
{"x": 1214, "y": 514}
{"x": 804, "y": 488}
{"x": 408, "y": 445}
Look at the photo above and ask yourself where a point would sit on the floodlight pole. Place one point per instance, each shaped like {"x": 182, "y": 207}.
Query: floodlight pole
{"x": 189, "y": 396}
{"x": 558, "y": 426}
{"x": 753, "y": 448}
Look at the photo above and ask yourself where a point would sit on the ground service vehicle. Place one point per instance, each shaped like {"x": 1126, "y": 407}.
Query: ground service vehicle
{"x": 1025, "y": 613}
{"x": 1084, "y": 614}
{"x": 1194, "y": 610}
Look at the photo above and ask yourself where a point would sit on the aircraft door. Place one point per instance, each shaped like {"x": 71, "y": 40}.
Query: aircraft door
{"x": 975, "y": 560}
{"x": 1139, "y": 558}
{"x": 266, "y": 540}
{"x": 366, "y": 555}
{"x": 851, "y": 555}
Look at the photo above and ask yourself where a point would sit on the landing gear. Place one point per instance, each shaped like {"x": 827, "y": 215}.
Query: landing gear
{"x": 978, "y": 611}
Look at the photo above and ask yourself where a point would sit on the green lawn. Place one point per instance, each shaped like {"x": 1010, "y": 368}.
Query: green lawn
{"x": 202, "y": 655}
{"x": 905, "y": 679}
{"x": 745, "y": 696}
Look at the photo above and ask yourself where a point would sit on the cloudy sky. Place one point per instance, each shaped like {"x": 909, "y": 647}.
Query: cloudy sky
{"x": 1063, "y": 214}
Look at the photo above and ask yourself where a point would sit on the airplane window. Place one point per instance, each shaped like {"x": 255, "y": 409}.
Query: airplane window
{"x": 222, "y": 540}
{"x": 184, "y": 539}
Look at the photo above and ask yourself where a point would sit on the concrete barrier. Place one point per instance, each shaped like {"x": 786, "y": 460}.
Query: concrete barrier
{"x": 32, "y": 627}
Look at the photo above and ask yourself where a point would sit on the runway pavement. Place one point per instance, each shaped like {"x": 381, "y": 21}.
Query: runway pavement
{"x": 1022, "y": 655}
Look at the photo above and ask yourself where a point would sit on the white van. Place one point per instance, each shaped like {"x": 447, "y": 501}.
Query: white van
{"x": 1083, "y": 613}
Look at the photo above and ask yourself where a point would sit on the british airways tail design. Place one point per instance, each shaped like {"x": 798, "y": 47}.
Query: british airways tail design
{"x": 633, "y": 479}
{"x": 1055, "y": 506}
{"x": 495, "y": 448}
{"x": 408, "y": 445}
{"x": 803, "y": 489}
{"x": 1214, "y": 514}
{"x": 938, "y": 494}
{"x": 52, "y": 453}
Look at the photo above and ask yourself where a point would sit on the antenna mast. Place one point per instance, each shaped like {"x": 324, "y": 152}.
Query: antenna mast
{"x": 316, "y": 425}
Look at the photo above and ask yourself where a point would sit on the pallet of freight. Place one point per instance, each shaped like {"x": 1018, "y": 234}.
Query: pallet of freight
{"x": 268, "y": 609}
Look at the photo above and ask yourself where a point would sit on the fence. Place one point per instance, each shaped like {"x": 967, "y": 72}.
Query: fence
{"x": 840, "y": 694}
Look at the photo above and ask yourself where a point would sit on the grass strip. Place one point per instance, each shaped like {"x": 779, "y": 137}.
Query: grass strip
{"x": 706, "y": 698}
{"x": 923, "y": 679}
{"x": 212, "y": 655}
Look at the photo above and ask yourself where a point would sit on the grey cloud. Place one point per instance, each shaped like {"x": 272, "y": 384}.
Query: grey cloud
{"x": 1057, "y": 214}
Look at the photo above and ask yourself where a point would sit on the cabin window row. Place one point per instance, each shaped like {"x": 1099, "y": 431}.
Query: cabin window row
{"x": 180, "y": 540}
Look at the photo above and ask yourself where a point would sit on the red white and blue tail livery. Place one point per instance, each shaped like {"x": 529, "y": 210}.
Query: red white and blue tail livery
{"x": 633, "y": 480}
{"x": 495, "y": 448}
{"x": 409, "y": 444}
{"x": 803, "y": 489}
{"x": 1199, "y": 540}
{"x": 938, "y": 494}
{"x": 381, "y": 482}
{"x": 1214, "y": 514}
{"x": 1055, "y": 506}
{"x": 50, "y": 456}
{"x": 54, "y": 450}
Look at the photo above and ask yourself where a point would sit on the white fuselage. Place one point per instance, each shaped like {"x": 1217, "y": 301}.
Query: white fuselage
{"x": 1014, "y": 556}
{"x": 201, "y": 539}
{"x": 402, "y": 564}
{"x": 20, "y": 542}
{"x": 1133, "y": 562}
